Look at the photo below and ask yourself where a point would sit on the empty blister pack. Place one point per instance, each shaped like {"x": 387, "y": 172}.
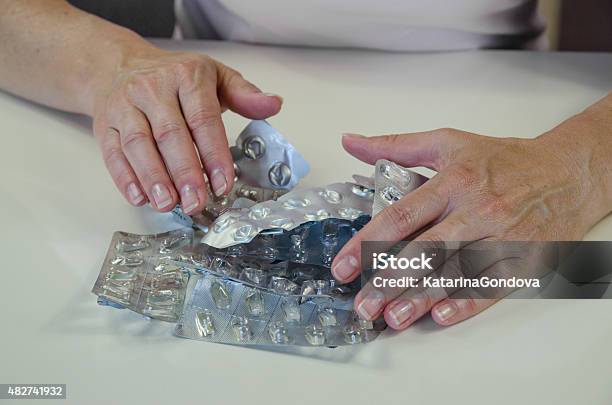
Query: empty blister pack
{"x": 392, "y": 182}
{"x": 138, "y": 273}
{"x": 315, "y": 242}
{"x": 241, "y": 196}
{"x": 339, "y": 200}
{"x": 225, "y": 311}
{"x": 266, "y": 159}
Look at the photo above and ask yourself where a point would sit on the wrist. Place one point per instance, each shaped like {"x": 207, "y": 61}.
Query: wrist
{"x": 113, "y": 54}
{"x": 584, "y": 144}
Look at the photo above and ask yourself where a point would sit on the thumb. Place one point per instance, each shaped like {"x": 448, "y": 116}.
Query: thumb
{"x": 243, "y": 97}
{"x": 429, "y": 149}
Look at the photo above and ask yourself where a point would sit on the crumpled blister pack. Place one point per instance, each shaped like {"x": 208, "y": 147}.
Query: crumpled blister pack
{"x": 253, "y": 269}
{"x": 240, "y": 196}
{"x": 338, "y": 200}
{"x": 223, "y": 297}
{"x": 315, "y": 242}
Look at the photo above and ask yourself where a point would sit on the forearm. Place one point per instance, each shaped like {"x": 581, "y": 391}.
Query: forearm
{"x": 585, "y": 140}
{"x": 53, "y": 53}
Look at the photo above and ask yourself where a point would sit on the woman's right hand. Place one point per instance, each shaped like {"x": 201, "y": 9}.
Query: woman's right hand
{"x": 158, "y": 121}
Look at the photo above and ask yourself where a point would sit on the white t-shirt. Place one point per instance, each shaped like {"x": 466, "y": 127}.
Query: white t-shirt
{"x": 397, "y": 25}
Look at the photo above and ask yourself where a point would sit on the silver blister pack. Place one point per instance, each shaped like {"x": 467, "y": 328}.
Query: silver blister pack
{"x": 339, "y": 200}
{"x": 266, "y": 159}
{"x": 392, "y": 182}
{"x": 241, "y": 196}
{"x": 239, "y": 299}
{"x": 315, "y": 242}
{"x": 364, "y": 181}
{"x": 138, "y": 273}
{"x": 225, "y": 311}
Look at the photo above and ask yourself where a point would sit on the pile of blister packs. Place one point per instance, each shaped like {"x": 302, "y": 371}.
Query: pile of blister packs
{"x": 253, "y": 267}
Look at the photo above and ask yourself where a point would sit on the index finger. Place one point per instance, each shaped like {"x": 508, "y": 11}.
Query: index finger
{"x": 396, "y": 222}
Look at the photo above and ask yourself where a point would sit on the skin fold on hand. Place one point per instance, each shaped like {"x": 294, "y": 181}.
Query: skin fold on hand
{"x": 554, "y": 187}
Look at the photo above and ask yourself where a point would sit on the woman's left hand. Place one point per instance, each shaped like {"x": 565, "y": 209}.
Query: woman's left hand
{"x": 547, "y": 188}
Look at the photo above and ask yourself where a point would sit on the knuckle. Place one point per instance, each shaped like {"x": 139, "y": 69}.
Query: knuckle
{"x": 112, "y": 155}
{"x": 183, "y": 170}
{"x": 189, "y": 69}
{"x": 402, "y": 219}
{"x": 392, "y": 140}
{"x": 211, "y": 155}
{"x": 133, "y": 139}
{"x": 231, "y": 73}
{"x": 434, "y": 239}
{"x": 123, "y": 178}
{"x": 148, "y": 83}
{"x": 234, "y": 78}
{"x": 154, "y": 175}
{"x": 166, "y": 131}
{"x": 203, "y": 119}
{"x": 463, "y": 175}
{"x": 454, "y": 228}
{"x": 446, "y": 131}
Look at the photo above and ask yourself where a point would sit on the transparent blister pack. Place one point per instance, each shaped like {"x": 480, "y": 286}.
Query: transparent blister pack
{"x": 315, "y": 242}
{"x": 364, "y": 181}
{"x": 391, "y": 183}
{"x": 225, "y": 311}
{"x": 264, "y": 158}
{"x": 277, "y": 276}
{"x": 339, "y": 200}
{"x": 241, "y": 196}
{"x": 139, "y": 274}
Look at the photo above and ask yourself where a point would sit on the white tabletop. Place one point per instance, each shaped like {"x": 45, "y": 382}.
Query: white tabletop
{"x": 60, "y": 208}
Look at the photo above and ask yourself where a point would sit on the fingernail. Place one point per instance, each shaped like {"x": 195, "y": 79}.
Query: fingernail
{"x": 274, "y": 95}
{"x": 345, "y": 268}
{"x": 218, "y": 181}
{"x": 371, "y": 305}
{"x": 348, "y": 135}
{"x": 401, "y": 312}
{"x": 134, "y": 194}
{"x": 161, "y": 196}
{"x": 189, "y": 199}
{"x": 445, "y": 311}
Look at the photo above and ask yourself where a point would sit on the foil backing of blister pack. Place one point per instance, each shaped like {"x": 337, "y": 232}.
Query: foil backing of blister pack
{"x": 264, "y": 158}
{"x": 391, "y": 183}
{"x": 339, "y": 200}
